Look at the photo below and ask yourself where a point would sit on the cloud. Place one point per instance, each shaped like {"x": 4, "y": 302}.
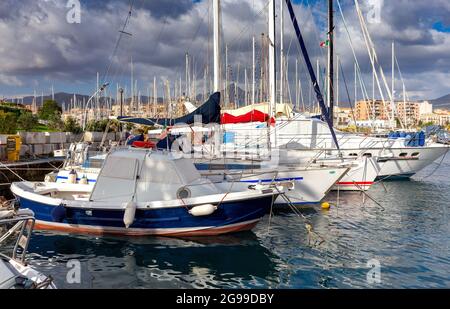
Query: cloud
{"x": 10, "y": 80}
{"x": 43, "y": 47}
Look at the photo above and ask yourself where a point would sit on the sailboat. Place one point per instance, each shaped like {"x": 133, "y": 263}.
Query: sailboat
{"x": 305, "y": 139}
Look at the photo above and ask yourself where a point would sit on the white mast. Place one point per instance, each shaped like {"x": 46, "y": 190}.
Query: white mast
{"x": 272, "y": 63}
{"x": 179, "y": 85}
{"x": 155, "y": 97}
{"x": 253, "y": 73}
{"x": 318, "y": 80}
{"x": 246, "y": 90}
{"x": 272, "y": 68}
{"x": 337, "y": 81}
{"x": 187, "y": 72}
{"x": 296, "y": 84}
{"x": 226, "y": 76}
{"x": 216, "y": 12}
{"x": 356, "y": 89}
{"x": 393, "y": 79}
{"x": 34, "y": 105}
{"x": 281, "y": 52}
{"x": 236, "y": 82}
{"x": 132, "y": 83}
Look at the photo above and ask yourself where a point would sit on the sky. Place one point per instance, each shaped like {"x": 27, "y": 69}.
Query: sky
{"x": 40, "y": 48}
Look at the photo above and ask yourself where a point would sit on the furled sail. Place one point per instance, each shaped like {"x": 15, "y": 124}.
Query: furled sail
{"x": 209, "y": 112}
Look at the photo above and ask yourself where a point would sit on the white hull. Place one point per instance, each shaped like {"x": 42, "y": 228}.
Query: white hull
{"x": 309, "y": 185}
{"x": 311, "y": 138}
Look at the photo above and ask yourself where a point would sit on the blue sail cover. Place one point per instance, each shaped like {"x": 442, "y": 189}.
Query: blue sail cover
{"x": 209, "y": 111}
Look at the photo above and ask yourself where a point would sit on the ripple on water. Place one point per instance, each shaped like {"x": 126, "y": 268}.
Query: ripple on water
{"x": 408, "y": 235}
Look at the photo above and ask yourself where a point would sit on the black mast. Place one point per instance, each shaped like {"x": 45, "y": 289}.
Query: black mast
{"x": 331, "y": 61}
{"x": 323, "y": 107}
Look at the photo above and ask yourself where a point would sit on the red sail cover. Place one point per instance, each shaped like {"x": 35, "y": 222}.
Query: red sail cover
{"x": 252, "y": 116}
{"x": 139, "y": 144}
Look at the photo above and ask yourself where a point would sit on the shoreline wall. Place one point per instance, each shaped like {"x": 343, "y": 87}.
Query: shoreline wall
{"x": 44, "y": 143}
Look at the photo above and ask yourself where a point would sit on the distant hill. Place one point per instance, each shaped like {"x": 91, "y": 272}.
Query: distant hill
{"x": 65, "y": 98}
{"x": 442, "y": 102}
{"x": 60, "y": 97}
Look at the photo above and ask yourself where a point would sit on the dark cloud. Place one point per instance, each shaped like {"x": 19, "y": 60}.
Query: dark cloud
{"x": 157, "y": 8}
{"x": 42, "y": 47}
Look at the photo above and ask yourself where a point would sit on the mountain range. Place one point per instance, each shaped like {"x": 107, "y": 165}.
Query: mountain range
{"x": 442, "y": 102}
{"x": 65, "y": 98}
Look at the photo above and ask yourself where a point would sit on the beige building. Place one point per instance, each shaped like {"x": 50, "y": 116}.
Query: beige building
{"x": 439, "y": 117}
{"x": 408, "y": 113}
{"x": 370, "y": 109}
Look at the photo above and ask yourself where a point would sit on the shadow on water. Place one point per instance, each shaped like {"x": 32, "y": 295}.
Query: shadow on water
{"x": 408, "y": 235}
{"x": 156, "y": 262}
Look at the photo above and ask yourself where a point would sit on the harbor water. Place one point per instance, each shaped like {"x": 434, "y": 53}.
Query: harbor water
{"x": 403, "y": 237}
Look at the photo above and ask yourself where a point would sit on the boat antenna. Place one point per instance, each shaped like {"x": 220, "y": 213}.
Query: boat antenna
{"x": 324, "y": 109}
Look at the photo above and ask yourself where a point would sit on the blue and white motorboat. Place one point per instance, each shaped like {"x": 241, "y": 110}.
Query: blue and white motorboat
{"x": 145, "y": 192}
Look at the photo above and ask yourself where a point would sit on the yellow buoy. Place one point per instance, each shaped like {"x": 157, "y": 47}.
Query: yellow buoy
{"x": 325, "y": 205}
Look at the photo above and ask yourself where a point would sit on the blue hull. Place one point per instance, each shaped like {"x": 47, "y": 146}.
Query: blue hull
{"x": 229, "y": 217}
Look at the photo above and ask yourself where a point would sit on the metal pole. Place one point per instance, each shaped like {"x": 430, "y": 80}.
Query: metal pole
{"x": 330, "y": 61}
{"x": 121, "y": 101}
{"x": 216, "y": 11}
{"x": 253, "y": 73}
{"x": 281, "y": 53}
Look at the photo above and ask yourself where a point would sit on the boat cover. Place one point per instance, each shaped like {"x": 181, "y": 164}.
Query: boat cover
{"x": 252, "y": 116}
{"x": 209, "y": 111}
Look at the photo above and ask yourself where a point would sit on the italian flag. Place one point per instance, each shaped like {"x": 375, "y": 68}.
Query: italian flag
{"x": 325, "y": 43}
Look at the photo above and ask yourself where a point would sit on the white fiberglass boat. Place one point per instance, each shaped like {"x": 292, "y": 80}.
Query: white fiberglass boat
{"x": 311, "y": 138}
{"x": 144, "y": 192}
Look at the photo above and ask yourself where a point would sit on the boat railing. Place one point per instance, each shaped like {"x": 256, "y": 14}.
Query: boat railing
{"x": 20, "y": 226}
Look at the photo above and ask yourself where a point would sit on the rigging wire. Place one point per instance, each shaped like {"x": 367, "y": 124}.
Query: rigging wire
{"x": 348, "y": 94}
{"x": 119, "y": 39}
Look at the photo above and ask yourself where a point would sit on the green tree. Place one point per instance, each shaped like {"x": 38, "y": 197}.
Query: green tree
{"x": 8, "y": 123}
{"x": 71, "y": 125}
{"x": 27, "y": 121}
{"x": 98, "y": 125}
{"x": 48, "y": 109}
{"x": 55, "y": 122}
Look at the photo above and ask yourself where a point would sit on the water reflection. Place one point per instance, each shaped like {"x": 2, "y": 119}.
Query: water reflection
{"x": 408, "y": 235}
{"x": 223, "y": 261}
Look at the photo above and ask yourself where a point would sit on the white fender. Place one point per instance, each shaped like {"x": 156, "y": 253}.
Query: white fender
{"x": 84, "y": 180}
{"x": 202, "y": 210}
{"x": 130, "y": 212}
{"x": 72, "y": 178}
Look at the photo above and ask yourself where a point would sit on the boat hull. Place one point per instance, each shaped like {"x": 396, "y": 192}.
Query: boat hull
{"x": 360, "y": 177}
{"x": 233, "y": 216}
{"x": 310, "y": 186}
{"x": 404, "y": 167}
